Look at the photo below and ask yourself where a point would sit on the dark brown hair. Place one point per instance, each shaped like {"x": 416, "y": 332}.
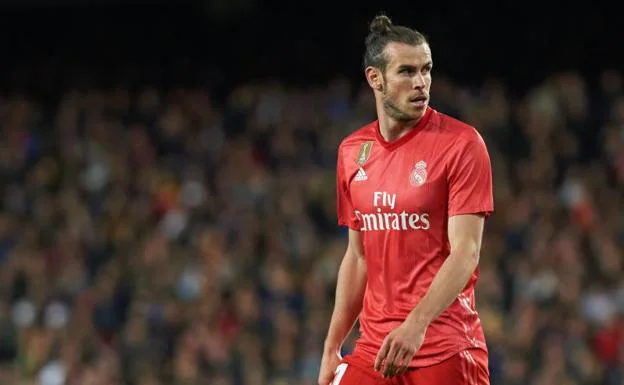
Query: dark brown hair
{"x": 382, "y": 32}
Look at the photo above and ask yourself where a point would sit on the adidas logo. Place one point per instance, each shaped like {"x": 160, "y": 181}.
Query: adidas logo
{"x": 361, "y": 175}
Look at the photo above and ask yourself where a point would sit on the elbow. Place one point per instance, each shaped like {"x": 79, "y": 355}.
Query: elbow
{"x": 474, "y": 257}
{"x": 473, "y": 252}
{"x": 468, "y": 252}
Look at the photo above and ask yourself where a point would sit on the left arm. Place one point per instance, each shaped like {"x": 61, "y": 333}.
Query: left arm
{"x": 470, "y": 200}
{"x": 465, "y": 234}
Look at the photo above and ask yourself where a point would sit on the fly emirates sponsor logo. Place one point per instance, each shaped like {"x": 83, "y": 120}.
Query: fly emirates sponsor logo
{"x": 383, "y": 219}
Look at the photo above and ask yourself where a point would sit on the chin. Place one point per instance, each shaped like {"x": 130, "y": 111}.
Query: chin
{"x": 417, "y": 112}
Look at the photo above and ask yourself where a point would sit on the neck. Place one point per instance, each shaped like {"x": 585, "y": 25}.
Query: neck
{"x": 392, "y": 129}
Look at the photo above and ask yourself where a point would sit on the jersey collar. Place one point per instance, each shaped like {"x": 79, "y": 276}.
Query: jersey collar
{"x": 394, "y": 144}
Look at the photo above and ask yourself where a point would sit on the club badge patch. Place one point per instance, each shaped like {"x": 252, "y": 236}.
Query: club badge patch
{"x": 418, "y": 177}
{"x": 364, "y": 153}
{"x": 362, "y": 157}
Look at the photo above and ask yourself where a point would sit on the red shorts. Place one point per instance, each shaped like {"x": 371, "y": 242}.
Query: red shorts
{"x": 469, "y": 367}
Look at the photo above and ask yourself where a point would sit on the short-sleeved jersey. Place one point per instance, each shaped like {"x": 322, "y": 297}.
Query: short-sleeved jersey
{"x": 400, "y": 195}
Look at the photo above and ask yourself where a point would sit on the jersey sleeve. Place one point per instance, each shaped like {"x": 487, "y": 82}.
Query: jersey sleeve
{"x": 344, "y": 207}
{"x": 470, "y": 180}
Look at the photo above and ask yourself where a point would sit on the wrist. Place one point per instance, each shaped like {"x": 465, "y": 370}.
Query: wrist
{"x": 418, "y": 321}
{"x": 331, "y": 347}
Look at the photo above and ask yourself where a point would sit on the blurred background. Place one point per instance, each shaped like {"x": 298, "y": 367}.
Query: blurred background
{"x": 167, "y": 185}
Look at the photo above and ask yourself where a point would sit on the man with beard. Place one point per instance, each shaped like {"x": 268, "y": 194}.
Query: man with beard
{"x": 414, "y": 187}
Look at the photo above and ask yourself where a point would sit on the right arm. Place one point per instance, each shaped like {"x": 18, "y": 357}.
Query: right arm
{"x": 351, "y": 281}
{"x": 350, "y": 287}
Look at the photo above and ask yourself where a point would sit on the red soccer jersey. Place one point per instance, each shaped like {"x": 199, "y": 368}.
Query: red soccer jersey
{"x": 399, "y": 195}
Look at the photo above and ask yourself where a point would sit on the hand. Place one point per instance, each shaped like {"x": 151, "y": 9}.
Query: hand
{"x": 398, "y": 349}
{"x": 331, "y": 359}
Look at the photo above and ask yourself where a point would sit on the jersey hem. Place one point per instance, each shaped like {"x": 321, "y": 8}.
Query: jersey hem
{"x": 484, "y": 211}
{"x": 352, "y": 227}
{"x": 369, "y": 356}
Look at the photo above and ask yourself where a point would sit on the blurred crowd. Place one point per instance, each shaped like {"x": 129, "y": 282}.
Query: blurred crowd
{"x": 152, "y": 237}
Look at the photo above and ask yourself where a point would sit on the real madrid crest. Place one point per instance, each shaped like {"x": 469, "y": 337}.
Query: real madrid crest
{"x": 418, "y": 177}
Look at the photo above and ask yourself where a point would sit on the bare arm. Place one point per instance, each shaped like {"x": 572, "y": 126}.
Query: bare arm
{"x": 401, "y": 344}
{"x": 465, "y": 234}
{"x": 350, "y": 288}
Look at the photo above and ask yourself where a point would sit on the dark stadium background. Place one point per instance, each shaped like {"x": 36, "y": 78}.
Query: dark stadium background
{"x": 304, "y": 41}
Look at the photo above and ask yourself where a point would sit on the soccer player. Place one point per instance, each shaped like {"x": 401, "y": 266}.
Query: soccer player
{"x": 414, "y": 188}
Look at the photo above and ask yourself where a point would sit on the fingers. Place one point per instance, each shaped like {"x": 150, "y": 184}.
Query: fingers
{"x": 392, "y": 360}
{"x": 406, "y": 359}
{"x": 397, "y": 361}
{"x": 385, "y": 347}
{"x": 394, "y": 357}
{"x": 327, "y": 371}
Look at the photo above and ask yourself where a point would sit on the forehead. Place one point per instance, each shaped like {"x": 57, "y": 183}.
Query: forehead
{"x": 405, "y": 54}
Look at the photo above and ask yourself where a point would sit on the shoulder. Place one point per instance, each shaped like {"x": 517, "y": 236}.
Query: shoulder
{"x": 355, "y": 139}
{"x": 457, "y": 133}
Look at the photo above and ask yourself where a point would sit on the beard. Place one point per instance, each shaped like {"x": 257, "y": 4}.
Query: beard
{"x": 393, "y": 109}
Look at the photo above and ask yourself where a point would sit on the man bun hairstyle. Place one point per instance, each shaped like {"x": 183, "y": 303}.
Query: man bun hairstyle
{"x": 381, "y": 24}
{"x": 382, "y": 32}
